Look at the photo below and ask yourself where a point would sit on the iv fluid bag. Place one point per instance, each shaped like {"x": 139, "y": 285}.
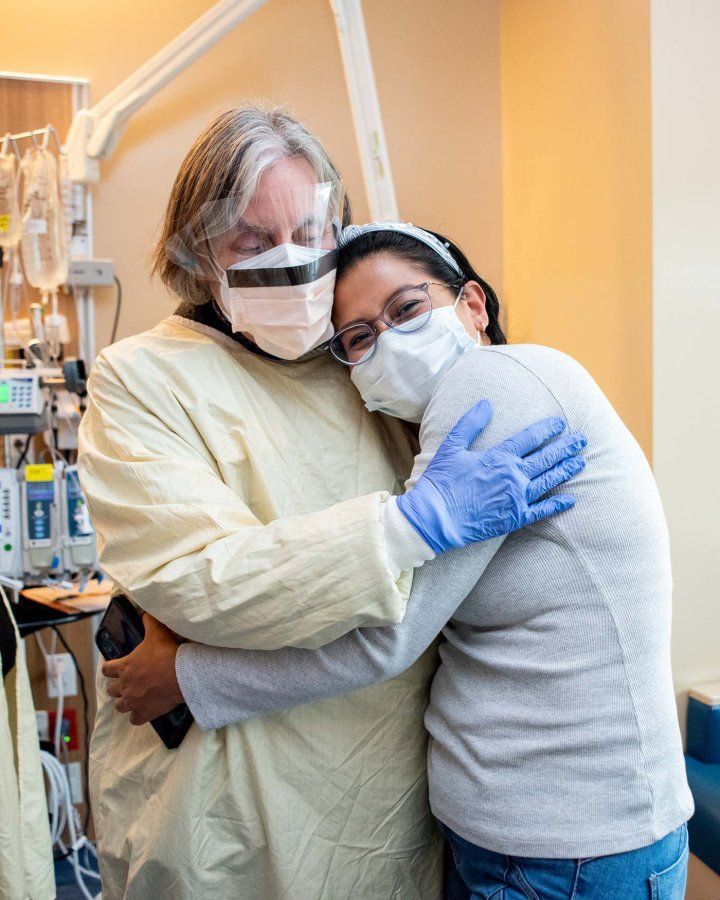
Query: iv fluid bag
{"x": 43, "y": 236}
{"x": 10, "y": 222}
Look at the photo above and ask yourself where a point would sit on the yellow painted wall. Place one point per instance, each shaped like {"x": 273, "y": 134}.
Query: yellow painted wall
{"x": 576, "y": 114}
{"x": 686, "y": 234}
{"x": 437, "y": 67}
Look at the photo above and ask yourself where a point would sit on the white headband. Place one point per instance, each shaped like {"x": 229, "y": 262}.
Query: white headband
{"x": 353, "y": 231}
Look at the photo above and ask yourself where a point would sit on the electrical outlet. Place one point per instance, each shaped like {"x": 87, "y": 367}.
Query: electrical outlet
{"x": 43, "y": 724}
{"x": 69, "y": 676}
{"x": 68, "y": 730}
{"x": 74, "y": 776}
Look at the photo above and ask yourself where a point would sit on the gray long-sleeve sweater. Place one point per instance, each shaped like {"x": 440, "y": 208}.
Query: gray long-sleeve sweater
{"x": 552, "y": 720}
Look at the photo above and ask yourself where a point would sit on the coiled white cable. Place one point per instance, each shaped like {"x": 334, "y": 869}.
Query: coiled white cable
{"x": 64, "y": 815}
{"x": 56, "y": 673}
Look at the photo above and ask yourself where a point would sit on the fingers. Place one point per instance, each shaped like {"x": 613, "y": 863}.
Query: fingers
{"x": 551, "y": 507}
{"x": 112, "y": 668}
{"x": 555, "y": 452}
{"x": 554, "y": 477}
{"x": 113, "y": 687}
{"x": 137, "y": 718}
{"x": 114, "y": 690}
{"x": 534, "y": 436}
{"x": 470, "y": 425}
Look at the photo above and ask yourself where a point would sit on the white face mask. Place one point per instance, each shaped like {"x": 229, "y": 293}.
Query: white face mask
{"x": 401, "y": 376}
{"x": 282, "y": 298}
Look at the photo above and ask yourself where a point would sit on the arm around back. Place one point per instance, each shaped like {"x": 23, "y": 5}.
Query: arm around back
{"x": 224, "y": 686}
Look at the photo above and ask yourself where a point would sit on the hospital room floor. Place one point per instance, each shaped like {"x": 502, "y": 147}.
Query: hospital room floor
{"x": 67, "y": 887}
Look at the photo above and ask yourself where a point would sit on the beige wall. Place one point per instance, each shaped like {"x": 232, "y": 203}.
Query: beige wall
{"x": 437, "y": 67}
{"x": 686, "y": 227}
{"x": 686, "y": 323}
{"x": 577, "y": 189}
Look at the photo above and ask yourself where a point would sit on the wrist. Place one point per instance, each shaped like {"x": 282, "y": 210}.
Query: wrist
{"x": 174, "y": 694}
{"x": 424, "y": 508}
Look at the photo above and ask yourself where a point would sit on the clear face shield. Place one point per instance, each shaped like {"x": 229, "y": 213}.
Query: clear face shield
{"x": 270, "y": 266}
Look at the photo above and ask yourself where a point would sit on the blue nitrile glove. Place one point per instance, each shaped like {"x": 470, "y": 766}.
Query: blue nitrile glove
{"x": 466, "y": 496}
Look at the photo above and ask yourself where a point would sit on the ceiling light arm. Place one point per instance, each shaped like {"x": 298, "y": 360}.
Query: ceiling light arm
{"x": 95, "y": 132}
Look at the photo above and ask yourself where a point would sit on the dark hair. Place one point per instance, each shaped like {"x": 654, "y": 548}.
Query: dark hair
{"x": 415, "y": 252}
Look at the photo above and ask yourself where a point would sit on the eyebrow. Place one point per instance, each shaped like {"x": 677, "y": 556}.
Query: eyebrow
{"x": 389, "y": 299}
{"x": 244, "y": 225}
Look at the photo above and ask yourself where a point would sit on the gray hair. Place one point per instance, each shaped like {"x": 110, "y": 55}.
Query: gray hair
{"x": 226, "y": 161}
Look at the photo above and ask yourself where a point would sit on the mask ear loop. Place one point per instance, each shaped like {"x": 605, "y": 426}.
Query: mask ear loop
{"x": 461, "y": 296}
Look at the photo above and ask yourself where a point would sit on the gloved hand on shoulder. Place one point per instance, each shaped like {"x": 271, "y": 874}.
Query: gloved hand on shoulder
{"x": 465, "y": 496}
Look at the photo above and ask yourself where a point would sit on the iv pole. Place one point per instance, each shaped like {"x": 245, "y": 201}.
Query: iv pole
{"x": 365, "y": 106}
{"x": 94, "y": 133}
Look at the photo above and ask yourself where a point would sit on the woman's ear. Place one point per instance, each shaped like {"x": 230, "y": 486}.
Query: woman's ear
{"x": 474, "y": 296}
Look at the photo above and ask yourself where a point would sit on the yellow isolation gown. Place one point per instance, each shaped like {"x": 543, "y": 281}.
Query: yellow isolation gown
{"x": 26, "y": 857}
{"x": 236, "y": 499}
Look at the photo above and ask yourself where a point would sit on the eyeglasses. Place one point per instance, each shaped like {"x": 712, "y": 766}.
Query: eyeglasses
{"x": 407, "y": 311}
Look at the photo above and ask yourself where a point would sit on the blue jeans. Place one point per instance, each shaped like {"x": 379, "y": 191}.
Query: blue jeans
{"x": 656, "y": 872}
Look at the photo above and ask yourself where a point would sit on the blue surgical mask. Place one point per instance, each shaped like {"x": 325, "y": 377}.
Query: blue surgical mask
{"x": 401, "y": 376}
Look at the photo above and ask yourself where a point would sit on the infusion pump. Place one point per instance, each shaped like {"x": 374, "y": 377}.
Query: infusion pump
{"x": 10, "y": 531}
{"x": 40, "y": 519}
{"x": 45, "y": 528}
{"x": 79, "y": 547}
{"x": 23, "y": 405}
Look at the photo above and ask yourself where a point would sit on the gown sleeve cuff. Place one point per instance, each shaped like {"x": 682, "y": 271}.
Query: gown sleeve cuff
{"x": 405, "y": 548}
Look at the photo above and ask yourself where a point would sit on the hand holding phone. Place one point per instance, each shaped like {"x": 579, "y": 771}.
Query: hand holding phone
{"x": 120, "y": 632}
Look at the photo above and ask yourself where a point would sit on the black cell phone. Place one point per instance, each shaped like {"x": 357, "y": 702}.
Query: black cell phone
{"x": 118, "y": 634}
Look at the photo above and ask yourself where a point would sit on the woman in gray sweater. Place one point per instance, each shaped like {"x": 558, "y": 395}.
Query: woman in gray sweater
{"x": 555, "y": 760}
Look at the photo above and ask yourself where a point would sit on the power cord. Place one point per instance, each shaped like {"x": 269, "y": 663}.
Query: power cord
{"x": 118, "y": 305}
{"x": 56, "y": 671}
{"x": 63, "y": 813}
{"x": 23, "y": 455}
{"x": 86, "y": 726}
